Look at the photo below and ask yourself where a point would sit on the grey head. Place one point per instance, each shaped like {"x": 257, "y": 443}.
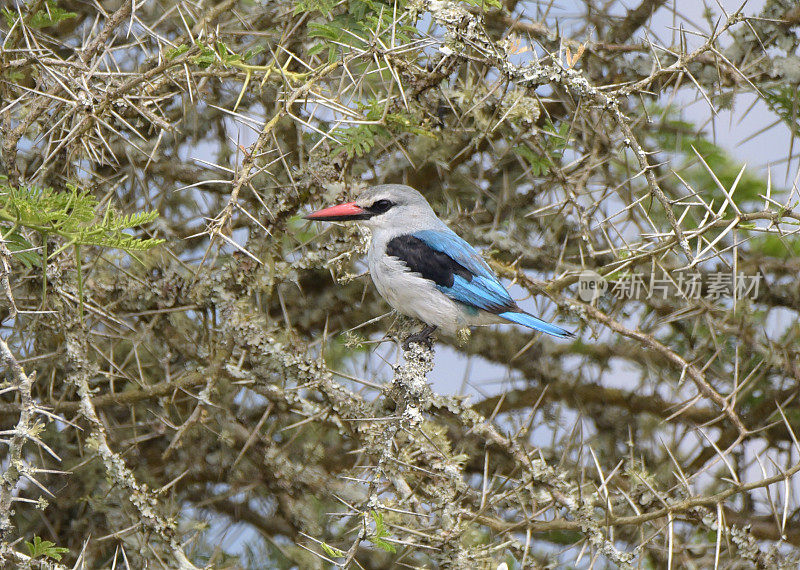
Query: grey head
{"x": 396, "y": 208}
{"x": 387, "y": 209}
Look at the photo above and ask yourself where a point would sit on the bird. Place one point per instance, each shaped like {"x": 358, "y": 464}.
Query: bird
{"x": 424, "y": 270}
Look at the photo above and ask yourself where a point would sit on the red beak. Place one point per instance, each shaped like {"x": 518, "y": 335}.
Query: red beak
{"x": 341, "y": 213}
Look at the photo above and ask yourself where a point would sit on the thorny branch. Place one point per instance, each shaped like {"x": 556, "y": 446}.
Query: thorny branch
{"x": 231, "y": 400}
{"x": 139, "y": 495}
{"x": 21, "y": 433}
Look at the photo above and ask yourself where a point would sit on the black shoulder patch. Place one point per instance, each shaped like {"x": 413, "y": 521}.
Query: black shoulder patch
{"x": 421, "y": 258}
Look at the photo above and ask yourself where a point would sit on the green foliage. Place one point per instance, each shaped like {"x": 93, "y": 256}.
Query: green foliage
{"x": 23, "y": 250}
{"x": 217, "y": 53}
{"x": 331, "y": 551}
{"x": 483, "y": 3}
{"x": 325, "y": 7}
{"x": 354, "y": 25}
{"x": 251, "y": 53}
{"x": 49, "y": 15}
{"x": 776, "y": 246}
{"x": 205, "y": 58}
{"x": 554, "y": 140}
{"x": 175, "y": 52}
{"x": 71, "y": 215}
{"x": 378, "y": 538}
{"x": 681, "y": 138}
{"x": 539, "y": 164}
{"x": 360, "y": 139}
{"x": 726, "y": 169}
{"x": 39, "y": 548}
{"x": 226, "y": 56}
{"x": 209, "y": 55}
{"x": 783, "y": 101}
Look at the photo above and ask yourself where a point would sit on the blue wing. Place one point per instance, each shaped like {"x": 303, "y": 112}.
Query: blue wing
{"x": 451, "y": 244}
{"x": 477, "y": 286}
{"x": 460, "y": 273}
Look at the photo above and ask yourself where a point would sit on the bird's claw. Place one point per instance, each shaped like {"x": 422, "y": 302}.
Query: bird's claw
{"x": 423, "y": 338}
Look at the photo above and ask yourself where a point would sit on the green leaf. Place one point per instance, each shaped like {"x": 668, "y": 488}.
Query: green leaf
{"x": 682, "y": 139}
{"x": 252, "y": 52}
{"x": 23, "y": 250}
{"x": 226, "y": 55}
{"x": 50, "y": 15}
{"x": 331, "y": 551}
{"x": 483, "y": 3}
{"x": 360, "y": 139}
{"x": 205, "y": 58}
{"x": 323, "y": 6}
{"x": 9, "y": 16}
{"x": 784, "y": 102}
{"x": 333, "y": 53}
{"x": 776, "y": 246}
{"x": 553, "y": 140}
{"x": 71, "y": 215}
{"x": 175, "y": 52}
{"x": 43, "y": 209}
{"x": 39, "y": 548}
{"x": 380, "y": 533}
{"x": 362, "y": 20}
{"x": 384, "y": 545}
{"x": 316, "y": 49}
{"x": 325, "y": 31}
{"x": 538, "y": 164}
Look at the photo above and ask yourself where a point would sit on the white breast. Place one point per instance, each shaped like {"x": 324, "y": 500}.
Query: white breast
{"x": 414, "y": 296}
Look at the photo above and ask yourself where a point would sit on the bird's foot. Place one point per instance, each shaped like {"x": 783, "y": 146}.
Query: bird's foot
{"x": 422, "y": 338}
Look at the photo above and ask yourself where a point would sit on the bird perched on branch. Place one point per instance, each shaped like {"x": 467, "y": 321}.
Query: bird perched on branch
{"x": 424, "y": 270}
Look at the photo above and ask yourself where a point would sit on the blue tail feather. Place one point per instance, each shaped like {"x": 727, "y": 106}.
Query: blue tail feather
{"x": 532, "y": 322}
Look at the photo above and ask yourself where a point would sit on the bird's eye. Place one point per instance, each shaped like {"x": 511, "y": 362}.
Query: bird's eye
{"x": 380, "y": 206}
